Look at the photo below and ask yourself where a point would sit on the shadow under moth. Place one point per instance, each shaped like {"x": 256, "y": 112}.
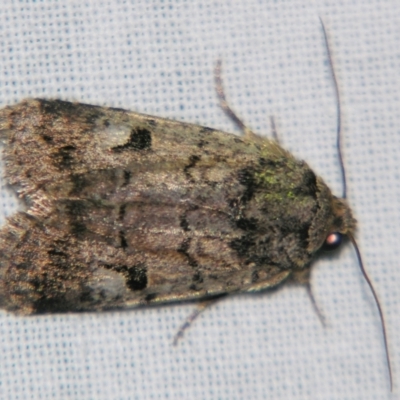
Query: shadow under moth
{"x": 125, "y": 210}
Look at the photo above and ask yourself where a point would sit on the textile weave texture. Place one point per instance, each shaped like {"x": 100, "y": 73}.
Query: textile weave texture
{"x": 157, "y": 57}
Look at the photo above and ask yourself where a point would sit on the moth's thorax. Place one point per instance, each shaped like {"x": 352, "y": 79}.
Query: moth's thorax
{"x": 294, "y": 209}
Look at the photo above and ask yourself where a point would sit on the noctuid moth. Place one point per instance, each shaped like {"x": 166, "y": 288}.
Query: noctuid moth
{"x": 126, "y": 210}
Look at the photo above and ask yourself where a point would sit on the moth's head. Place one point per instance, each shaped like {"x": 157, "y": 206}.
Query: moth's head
{"x": 332, "y": 222}
{"x": 343, "y": 224}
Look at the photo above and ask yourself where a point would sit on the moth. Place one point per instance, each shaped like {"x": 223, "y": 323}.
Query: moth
{"x": 125, "y": 210}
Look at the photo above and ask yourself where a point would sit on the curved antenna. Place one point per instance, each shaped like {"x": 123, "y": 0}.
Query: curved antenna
{"x": 338, "y": 111}
{"x": 344, "y": 195}
{"x": 364, "y": 272}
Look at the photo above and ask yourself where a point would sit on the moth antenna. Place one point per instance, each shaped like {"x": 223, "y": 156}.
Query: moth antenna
{"x": 224, "y": 103}
{"x": 383, "y": 325}
{"x": 344, "y": 195}
{"x": 338, "y": 112}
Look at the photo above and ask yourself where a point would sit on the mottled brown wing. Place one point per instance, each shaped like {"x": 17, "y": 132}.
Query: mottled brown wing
{"x": 126, "y": 209}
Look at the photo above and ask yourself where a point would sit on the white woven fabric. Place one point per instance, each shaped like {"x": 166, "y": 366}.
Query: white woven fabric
{"x": 157, "y": 57}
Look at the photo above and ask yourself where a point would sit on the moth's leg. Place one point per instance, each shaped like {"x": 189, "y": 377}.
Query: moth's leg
{"x": 200, "y": 308}
{"x": 273, "y": 128}
{"x": 225, "y": 106}
{"x": 315, "y": 305}
{"x": 303, "y": 278}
